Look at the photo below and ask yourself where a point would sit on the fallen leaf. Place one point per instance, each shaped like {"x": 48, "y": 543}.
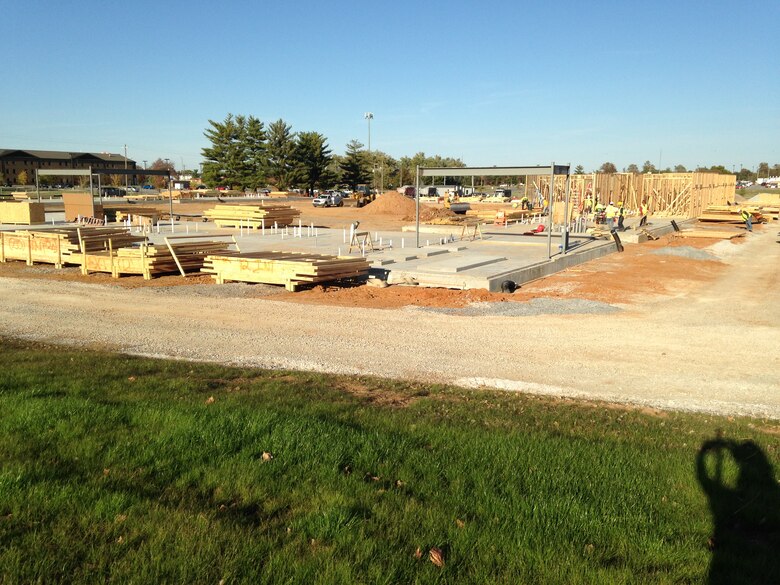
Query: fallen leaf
{"x": 399, "y": 483}
{"x": 459, "y": 523}
{"x": 120, "y": 540}
{"x": 418, "y": 553}
{"x": 589, "y": 548}
{"x": 131, "y": 379}
{"x": 211, "y": 400}
{"x": 267, "y": 456}
{"x": 436, "y": 556}
{"x": 106, "y": 471}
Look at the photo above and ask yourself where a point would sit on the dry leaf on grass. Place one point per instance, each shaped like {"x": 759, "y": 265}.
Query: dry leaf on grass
{"x": 131, "y": 379}
{"x": 211, "y": 400}
{"x": 267, "y": 456}
{"x": 418, "y": 553}
{"x": 436, "y": 556}
{"x": 459, "y": 523}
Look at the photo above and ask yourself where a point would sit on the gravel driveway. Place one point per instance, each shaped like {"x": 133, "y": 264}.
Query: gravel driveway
{"x": 714, "y": 348}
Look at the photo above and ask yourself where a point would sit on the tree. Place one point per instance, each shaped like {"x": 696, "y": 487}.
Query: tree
{"x": 763, "y": 170}
{"x": 649, "y": 167}
{"x": 22, "y": 178}
{"x": 313, "y": 158}
{"x": 680, "y": 169}
{"x": 608, "y": 167}
{"x": 579, "y": 170}
{"x": 355, "y": 166}
{"x": 238, "y": 152}
{"x": 253, "y": 143}
{"x": 280, "y": 151}
{"x": 632, "y": 168}
{"x": 161, "y": 182}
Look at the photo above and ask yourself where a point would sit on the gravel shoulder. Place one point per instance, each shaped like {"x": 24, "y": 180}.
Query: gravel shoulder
{"x": 706, "y": 344}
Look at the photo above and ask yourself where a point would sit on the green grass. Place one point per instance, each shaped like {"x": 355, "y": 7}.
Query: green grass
{"x": 120, "y": 469}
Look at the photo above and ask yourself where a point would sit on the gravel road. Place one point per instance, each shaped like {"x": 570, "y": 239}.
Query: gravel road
{"x": 712, "y": 348}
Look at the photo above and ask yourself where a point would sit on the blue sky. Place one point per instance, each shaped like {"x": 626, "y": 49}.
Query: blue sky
{"x": 492, "y": 82}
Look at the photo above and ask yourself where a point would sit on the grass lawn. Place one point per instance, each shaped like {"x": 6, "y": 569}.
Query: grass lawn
{"x": 129, "y": 470}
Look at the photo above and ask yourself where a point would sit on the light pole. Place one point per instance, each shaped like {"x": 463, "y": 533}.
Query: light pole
{"x": 369, "y": 116}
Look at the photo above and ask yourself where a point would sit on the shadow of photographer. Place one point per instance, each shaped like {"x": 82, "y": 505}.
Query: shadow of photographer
{"x": 744, "y": 499}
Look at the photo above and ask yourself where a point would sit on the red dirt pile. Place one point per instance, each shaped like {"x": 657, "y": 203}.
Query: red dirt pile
{"x": 390, "y": 203}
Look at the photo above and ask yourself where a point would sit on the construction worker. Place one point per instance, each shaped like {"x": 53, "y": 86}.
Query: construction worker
{"x": 611, "y": 213}
{"x": 748, "y": 217}
{"x": 643, "y": 211}
{"x": 545, "y": 206}
{"x": 621, "y": 216}
{"x": 587, "y": 207}
{"x": 525, "y": 203}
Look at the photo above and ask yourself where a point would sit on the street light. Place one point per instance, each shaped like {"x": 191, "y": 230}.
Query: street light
{"x": 369, "y": 116}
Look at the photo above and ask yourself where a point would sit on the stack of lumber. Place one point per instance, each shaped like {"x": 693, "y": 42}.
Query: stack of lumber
{"x": 147, "y": 260}
{"x": 291, "y": 269}
{"x": 22, "y": 212}
{"x": 490, "y": 214}
{"x": 252, "y": 215}
{"x": 62, "y": 245}
{"x": 730, "y": 214}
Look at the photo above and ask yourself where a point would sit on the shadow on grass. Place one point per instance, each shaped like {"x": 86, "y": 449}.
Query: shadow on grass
{"x": 744, "y": 499}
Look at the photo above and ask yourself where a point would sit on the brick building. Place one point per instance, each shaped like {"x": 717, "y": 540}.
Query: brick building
{"x": 13, "y": 162}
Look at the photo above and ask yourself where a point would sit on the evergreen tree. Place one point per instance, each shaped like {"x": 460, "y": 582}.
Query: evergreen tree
{"x": 281, "y": 155}
{"x": 253, "y": 143}
{"x": 225, "y": 162}
{"x": 355, "y": 166}
{"x": 313, "y": 157}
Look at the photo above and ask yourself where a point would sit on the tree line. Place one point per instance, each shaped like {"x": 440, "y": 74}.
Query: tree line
{"x": 762, "y": 170}
{"x": 244, "y": 154}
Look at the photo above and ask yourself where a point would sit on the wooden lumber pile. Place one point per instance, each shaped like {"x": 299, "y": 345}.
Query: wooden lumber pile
{"x": 252, "y": 215}
{"x": 22, "y": 212}
{"x": 61, "y": 245}
{"x": 290, "y": 269}
{"x": 185, "y": 254}
{"x": 729, "y": 214}
{"x": 489, "y": 214}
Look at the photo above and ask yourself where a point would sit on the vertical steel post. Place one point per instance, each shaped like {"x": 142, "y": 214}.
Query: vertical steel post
{"x": 565, "y": 231}
{"x": 417, "y": 206}
{"x": 550, "y": 210}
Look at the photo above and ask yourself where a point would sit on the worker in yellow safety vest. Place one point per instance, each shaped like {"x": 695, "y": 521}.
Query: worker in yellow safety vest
{"x": 611, "y": 213}
{"x": 748, "y": 218}
{"x": 643, "y": 210}
{"x": 525, "y": 203}
{"x": 587, "y": 207}
{"x": 621, "y": 216}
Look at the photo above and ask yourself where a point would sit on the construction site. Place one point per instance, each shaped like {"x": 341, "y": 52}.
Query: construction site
{"x": 498, "y": 294}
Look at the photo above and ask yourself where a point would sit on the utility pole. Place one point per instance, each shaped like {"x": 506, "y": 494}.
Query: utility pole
{"x": 125, "y": 168}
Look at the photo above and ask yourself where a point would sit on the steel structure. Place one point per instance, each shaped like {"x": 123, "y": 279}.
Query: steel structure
{"x": 517, "y": 171}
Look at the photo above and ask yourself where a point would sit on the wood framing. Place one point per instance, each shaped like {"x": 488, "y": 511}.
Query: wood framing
{"x": 668, "y": 194}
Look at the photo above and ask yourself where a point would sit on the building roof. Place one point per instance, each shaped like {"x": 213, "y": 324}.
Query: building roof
{"x": 60, "y": 155}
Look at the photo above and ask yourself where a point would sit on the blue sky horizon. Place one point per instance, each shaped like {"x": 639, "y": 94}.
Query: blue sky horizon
{"x": 493, "y": 83}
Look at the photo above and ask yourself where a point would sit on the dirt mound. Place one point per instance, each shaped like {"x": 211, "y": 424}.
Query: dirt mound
{"x": 766, "y": 198}
{"x": 390, "y": 203}
{"x": 428, "y": 213}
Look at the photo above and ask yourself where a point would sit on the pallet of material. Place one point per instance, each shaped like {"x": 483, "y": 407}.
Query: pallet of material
{"x": 58, "y": 245}
{"x": 290, "y": 269}
{"x": 730, "y": 216}
{"x": 712, "y": 234}
{"x": 22, "y": 212}
{"x": 155, "y": 260}
{"x": 490, "y": 214}
{"x": 252, "y": 216}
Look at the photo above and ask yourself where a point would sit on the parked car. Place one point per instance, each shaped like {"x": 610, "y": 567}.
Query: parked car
{"x": 148, "y": 187}
{"x": 331, "y": 199}
{"x": 112, "y": 192}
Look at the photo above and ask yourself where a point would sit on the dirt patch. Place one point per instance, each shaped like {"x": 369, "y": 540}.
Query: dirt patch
{"x": 375, "y": 396}
{"x": 73, "y": 274}
{"x": 392, "y": 297}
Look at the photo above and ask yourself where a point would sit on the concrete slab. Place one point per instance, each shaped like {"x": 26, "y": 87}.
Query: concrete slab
{"x": 462, "y": 262}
